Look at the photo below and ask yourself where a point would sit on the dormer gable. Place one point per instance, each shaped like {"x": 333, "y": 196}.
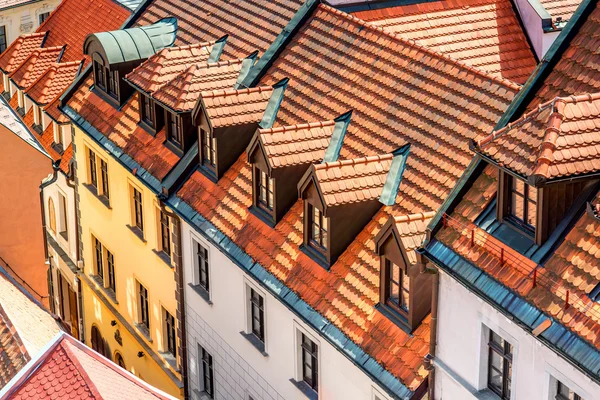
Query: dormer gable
{"x": 115, "y": 54}
{"x": 545, "y": 161}
{"x": 281, "y": 156}
{"x": 405, "y": 292}
{"x": 341, "y": 197}
{"x": 227, "y": 120}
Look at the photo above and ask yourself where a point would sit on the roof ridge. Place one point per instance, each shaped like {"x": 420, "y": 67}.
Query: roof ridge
{"x": 296, "y": 127}
{"x": 80, "y": 369}
{"x": 354, "y": 161}
{"x": 415, "y": 217}
{"x": 414, "y": 44}
{"x": 230, "y": 92}
{"x": 188, "y": 46}
{"x": 545, "y": 155}
{"x": 393, "y": 14}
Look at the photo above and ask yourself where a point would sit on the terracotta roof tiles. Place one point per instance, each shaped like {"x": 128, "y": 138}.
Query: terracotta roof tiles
{"x": 35, "y": 65}
{"x": 412, "y": 229}
{"x": 560, "y": 138}
{"x": 297, "y": 144}
{"x": 234, "y": 107}
{"x": 183, "y": 92}
{"x": 19, "y": 50}
{"x": 560, "y": 9}
{"x": 483, "y": 33}
{"x": 53, "y": 82}
{"x": 13, "y": 355}
{"x": 351, "y": 181}
{"x": 252, "y": 24}
{"x": 164, "y": 66}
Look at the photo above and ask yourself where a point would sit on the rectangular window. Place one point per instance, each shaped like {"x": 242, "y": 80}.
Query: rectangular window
{"x": 165, "y": 234}
{"x": 499, "y": 365}
{"x": 208, "y": 384}
{"x": 398, "y": 290}
{"x": 257, "y": 315}
{"x": 147, "y": 110}
{"x": 138, "y": 215}
{"x": 264, "y": 188}
{"x": 110, "y": 269}
{"x": 171, "y": 344}
{"x": 92, "y": 166}
{"x": 104, "y": 177}
{"x": 209, "y": 146}
{"x": 63, "y": 216}
{"x": 174, "y": 130}
{"x": 99, "y": 259}
{"x": 310, "y": 364}
{"x": 564, "y": 393}
{"x": 143, "y": 304}
{"x": 203, "y": 264}
{"x": 523, "y": 203}
{"x": 100, "y": 75}
{"x": 319, "y": 226}
{"x": 43, "y": 17}
{"x": 37, "y": 115}
{"x": 113, "y": 82}
{"x": 3, "y": 42}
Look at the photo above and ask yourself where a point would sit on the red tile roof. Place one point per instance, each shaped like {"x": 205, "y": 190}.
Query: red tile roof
{"x": 164, "y": 66}
{"x": 562, "y": 9}
{"x": 235, "y": 107}
{"x": 297, "y": 144}
{"x": 19, "y": 50}
{"x": 53, "y": 112}
{"x": 53, "y": 82}
{"x": 483, "y": 33}
{"x": 412, "y": 229}
{"x": 13, "y": 355}
{"x": 572, "y": 267}
{"x": 251, "y": 24}
{"x": 70, "y": 370}
{"x": 351, "y": 181}
{"x": 183, "y": 92}
{"x": 35, "y": 65}
{"x": 561, "y": 138}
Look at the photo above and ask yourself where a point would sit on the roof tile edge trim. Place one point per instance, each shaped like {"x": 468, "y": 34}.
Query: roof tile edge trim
{"x": 291, "y": 300}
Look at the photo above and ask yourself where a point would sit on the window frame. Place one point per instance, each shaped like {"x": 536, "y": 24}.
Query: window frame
{"x": 266, "y": 204}
{"x": 206, "y": 364}
{"x": 143, "y": 303}
{"x": 42, "y": 17}
{"x": 399, "y": 306}
{"x": 147, "y": 111}
{"x": 506, "y": 352}
{"x": 559, "y": 396}
{"x": 92, "y": 168}
{"x": 63, "y": 211}
{"x": 200, "y": 262}
{"x": 309, "y": 351}
{"x": 525, "y": 203}
{"x": 137, "y": 208}
{"x": 257, "y": 306}
{"x": 98, "y": 258}
{"x": 51, "y": 215}
{"x": 164, "y": 236}
{"x": 170, "y": 333}
{"x": 104, "y": 179}
{"x": 208, "y": 144}
{"x": 175, "y": 130}
{"x": 110, "y": 282}
{"x": 3, "y": 41}
{"x": 320, "y": 245}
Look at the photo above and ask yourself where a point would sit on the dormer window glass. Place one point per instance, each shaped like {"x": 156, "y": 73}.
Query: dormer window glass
{"x": 319, "y": 228}
{"x": 523, "y": 204}
{"x": 113, "y": 83}
{"x": 99, "y": 73}
{"x": 106, "y": 80}
{"x": 174, "y": 133}
{"x": 398, "y": 287}
{"x": 209, "y": 149}
{"x": 147, "y": 111}
{"x": 264, "y": 186}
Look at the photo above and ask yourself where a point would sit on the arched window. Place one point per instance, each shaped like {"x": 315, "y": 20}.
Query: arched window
{"x": 119, "y": 360}
{"x": 98, "y": 343}
{"x": 51, "y": 215}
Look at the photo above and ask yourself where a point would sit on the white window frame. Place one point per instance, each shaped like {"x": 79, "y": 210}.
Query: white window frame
{"x": 196, "y": 268}
{"x": 63, "y": 215}
{"x": 248, "y": 309}
{"x": 484, "y": 332}
{"x": 298, "y": 331}
{"x": 377, "y": 395}
{"x": 200, "y": 376}
{"x": 553, "y": 376}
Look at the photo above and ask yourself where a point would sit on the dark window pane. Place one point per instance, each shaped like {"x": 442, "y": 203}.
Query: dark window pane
{"x": 3, "y": 41}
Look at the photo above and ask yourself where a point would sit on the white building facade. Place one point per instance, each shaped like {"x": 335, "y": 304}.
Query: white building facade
{"x": 18, "y": 17}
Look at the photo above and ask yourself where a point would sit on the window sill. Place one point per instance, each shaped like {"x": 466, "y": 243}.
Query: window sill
{"x": 394, "y": 316}
{"x": 141, "y": 328}
{"x": 486, "y": 394}
{"x": 110, "y": 99}
{"x": 94, "y": 191}
{"x": 305, "y": 389}
{"x": 147, "y": 127}
{"x": 174, "y": 148}
{"x": 256, "y": 342}
{"x": 201, "y": 292}
{"x": 21, "y": 111}
{"x": 170, "y": 359}
{"x": 64, "y": 235}
{"x": 165, "y": 258}
{"x": 210, "y": 173}
{"x": 107, "y": 291}
{"x": 38, "y": 129}
{"x": 316, "y": 256}
{"x": 137, "y": 232}
{"x": 6, "y": 95}
{"x": 263, "y": 215}
{"x": 202, "y": 395}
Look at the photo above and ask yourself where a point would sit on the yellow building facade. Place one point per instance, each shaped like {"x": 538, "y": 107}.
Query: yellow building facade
{"x": 129, "y": 285}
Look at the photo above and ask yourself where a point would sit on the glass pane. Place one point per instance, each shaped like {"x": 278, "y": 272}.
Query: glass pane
{"x": 531, "y": 213}
{"x": 395, "y": 273}
{"x": 518, "y": 186}
{"x": 495, "y": 338}
{"x": 394, "y": 293}
{"x": 516, "y": 206}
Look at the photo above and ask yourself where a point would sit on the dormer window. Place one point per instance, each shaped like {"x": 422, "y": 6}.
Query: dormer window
{"x": 398, "y": 287}
{"x": 319, "y": 228}
{"x": 147, "y": 111}
{"x": 264, "y": 189}
{"x": 209, "y": 149}
{"x": 106, "y": 80}
{"x": 523, "y": 204}
{"x": 100, "y": 75}
{"x": 174, "y": 131}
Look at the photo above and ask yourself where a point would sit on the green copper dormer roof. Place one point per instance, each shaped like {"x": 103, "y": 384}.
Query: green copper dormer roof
{"x": 133, "y": 44}
{"x": 394, "y": 176}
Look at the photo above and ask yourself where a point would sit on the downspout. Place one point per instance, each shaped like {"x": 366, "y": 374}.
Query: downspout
{"x": 55, "y": 169}
{"x": 430, "y": 357}
{"x": 72, "y": 185}
{"x": 180, "y": 294}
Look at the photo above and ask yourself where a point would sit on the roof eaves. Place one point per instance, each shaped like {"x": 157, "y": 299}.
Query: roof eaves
{"x": 329, "y": 331}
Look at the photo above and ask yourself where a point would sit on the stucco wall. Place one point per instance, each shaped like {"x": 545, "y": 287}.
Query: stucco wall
{"x": 462, "y": 349}
{"x": 21, "y": 239}
{"x": 24, "y": 19}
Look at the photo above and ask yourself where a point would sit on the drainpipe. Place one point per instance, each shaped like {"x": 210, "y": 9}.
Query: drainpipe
{"x": 43, "y": 210}
{"x": 180, "y": 294}
{"x": 72, "y": 185}
{"x": 430, "y": 357}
